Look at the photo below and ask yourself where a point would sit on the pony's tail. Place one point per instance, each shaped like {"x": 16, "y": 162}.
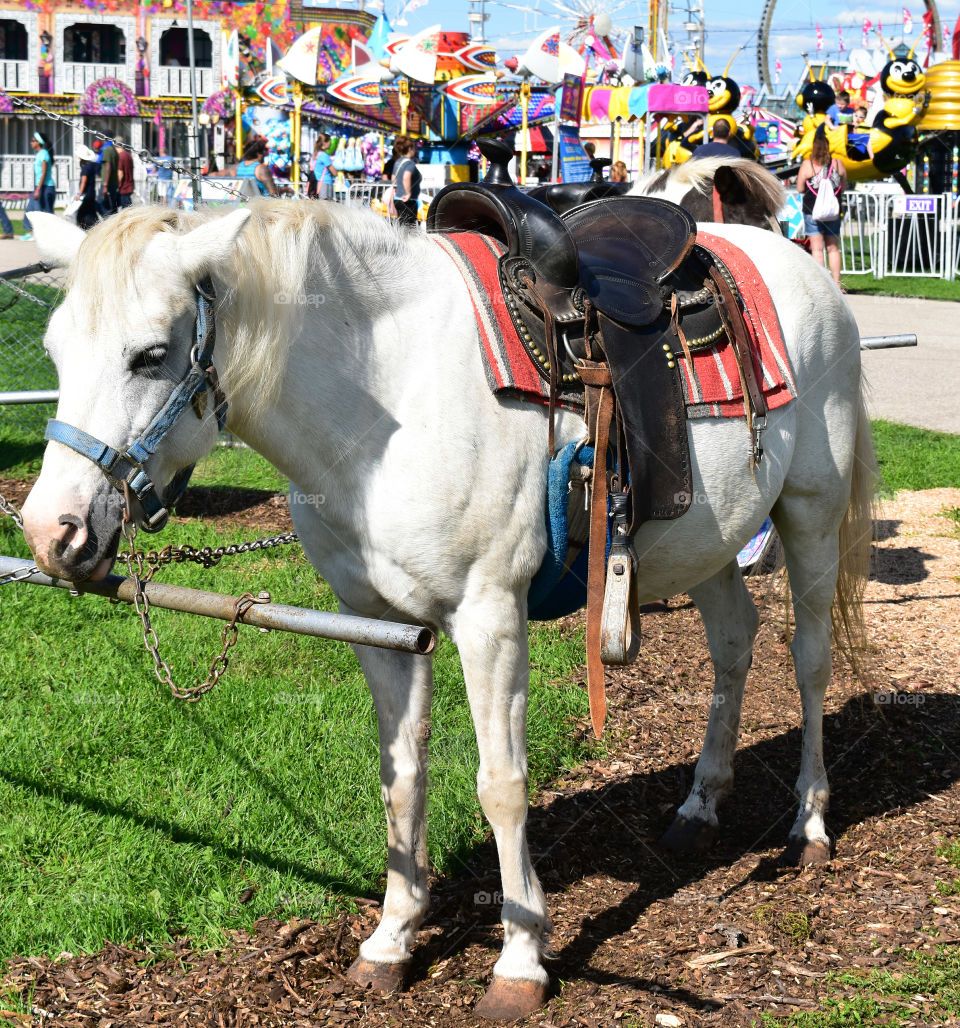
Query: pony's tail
{"x": 856, "y": 536}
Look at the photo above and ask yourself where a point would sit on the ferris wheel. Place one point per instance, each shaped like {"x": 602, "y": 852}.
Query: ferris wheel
{"x": 766, "y": 22}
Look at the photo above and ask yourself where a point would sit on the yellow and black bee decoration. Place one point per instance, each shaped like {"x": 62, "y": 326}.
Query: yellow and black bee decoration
{"x": 723, "y": 100}
{"x": 889, "y": 143}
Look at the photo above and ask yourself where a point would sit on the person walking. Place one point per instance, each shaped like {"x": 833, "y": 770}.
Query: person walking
{"x": 109, "y": 177}
{"x": 6, "y": 229}
{"x": 322, "y": 167}
{"x": 406, "y": 183}
{"x": 817, "y": 170}
{"x": 88, "y": 212}
{"x": 165, "y": 186}
{"x": 124, "y": 174}
{"x": 45, "y": 188}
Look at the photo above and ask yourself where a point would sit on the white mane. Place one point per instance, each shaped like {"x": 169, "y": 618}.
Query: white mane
{"x": 698, "y": 175}
{"x": 287, "y": 256}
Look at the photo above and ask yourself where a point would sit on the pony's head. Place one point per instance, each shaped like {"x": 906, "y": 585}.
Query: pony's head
{"x": 122, "y": 340}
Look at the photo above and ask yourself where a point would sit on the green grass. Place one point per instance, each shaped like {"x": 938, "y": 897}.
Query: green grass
{"x": 23, "y": 363}
{"x": 915, "y": 458}
{"x": 888, "y": 998}
{"x": 950, "y": 851}
{"x": 927, "y": 288}
{"x": 129, "y": 815}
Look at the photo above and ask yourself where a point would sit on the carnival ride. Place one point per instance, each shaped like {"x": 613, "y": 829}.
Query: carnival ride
{"x": 686, "y": 134}
{"x": 886, "y": 146}
{"x": 351, "y": 70}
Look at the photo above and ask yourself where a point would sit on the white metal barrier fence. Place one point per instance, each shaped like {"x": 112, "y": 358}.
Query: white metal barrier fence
{"x": 859, "y": 239}
{"x": 887, "y": 234}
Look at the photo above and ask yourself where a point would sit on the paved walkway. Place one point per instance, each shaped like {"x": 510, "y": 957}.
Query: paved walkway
{"x": 914, "y": 386}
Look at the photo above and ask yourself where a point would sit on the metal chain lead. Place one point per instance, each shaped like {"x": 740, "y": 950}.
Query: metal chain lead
{"x": 13, "y": 511}
{"x": 136, "y": 561}
{"x": 144, "y": 155}
{"x": 143, "y": 566}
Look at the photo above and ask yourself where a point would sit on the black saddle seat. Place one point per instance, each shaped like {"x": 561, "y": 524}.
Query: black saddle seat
{"x": 495, "y": 207}
{"x": 561, "y": 197}
{"x": 627, "y": 246}
{"x": 615, "y": 250}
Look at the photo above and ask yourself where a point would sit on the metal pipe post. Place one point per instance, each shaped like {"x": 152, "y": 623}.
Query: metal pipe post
{"x": 30, "y": 396}
{"x": 194, "y": 123}
{"x": 888, "y": 342}
{"x": 388, "y": 635}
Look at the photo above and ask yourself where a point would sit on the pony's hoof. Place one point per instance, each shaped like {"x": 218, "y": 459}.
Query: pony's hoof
{"x": 379, "y": 978}
{"x": 801, "y": 851}
{"x": 509, "y": 999}
{"x": 688, "y": 835}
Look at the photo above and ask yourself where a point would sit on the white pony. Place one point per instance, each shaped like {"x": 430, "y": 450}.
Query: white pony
{"x": 349, "y": 355}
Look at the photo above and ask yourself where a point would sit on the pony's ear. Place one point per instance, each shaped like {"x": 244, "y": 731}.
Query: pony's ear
{"x": 210, "y": 244}
{"x": 58, "y": 240}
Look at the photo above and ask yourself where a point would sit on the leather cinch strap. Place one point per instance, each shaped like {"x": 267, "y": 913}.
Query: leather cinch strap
{"x": 596, "y": 378}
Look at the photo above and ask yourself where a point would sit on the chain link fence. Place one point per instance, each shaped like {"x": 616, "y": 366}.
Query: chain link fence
{"x": 26, "y": 302}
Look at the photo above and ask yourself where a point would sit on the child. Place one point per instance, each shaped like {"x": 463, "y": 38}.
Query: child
{"x": 841, "y": 113}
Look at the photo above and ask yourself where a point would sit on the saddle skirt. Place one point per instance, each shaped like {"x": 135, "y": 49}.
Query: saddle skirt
{"x": 711, "y": 382}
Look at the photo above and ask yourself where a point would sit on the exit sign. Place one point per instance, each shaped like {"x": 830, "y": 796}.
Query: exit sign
{"x": 915, "y": 205}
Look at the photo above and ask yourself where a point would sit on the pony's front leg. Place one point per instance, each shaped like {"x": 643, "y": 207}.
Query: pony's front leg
{"x": 730, "y": 619}
{"x": 491, "y": 634}
{"x": 401, "y": 685}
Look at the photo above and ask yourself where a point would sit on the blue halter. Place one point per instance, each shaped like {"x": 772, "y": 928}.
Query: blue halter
{"x": 125, "y": 467}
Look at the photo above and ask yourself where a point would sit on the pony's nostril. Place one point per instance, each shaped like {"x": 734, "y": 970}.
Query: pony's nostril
{"x": 72, "y": 526}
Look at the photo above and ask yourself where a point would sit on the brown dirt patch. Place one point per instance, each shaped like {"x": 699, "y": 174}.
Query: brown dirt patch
{"x": 630, "y": 920}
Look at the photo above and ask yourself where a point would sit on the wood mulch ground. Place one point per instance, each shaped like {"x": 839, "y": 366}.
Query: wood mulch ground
{"x": 640, "y": 935}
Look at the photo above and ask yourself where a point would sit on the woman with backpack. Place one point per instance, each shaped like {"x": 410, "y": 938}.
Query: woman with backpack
{"x": 821, "y": 181}
{"x": 406, "y": 182}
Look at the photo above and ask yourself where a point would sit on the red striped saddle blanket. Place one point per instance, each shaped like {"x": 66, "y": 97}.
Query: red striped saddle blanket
{"x": 711, "y": 386}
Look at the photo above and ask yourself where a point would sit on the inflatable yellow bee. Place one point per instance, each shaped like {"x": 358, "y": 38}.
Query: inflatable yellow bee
{"x": 724, "y": 99}
{"x": 890, "y": 142}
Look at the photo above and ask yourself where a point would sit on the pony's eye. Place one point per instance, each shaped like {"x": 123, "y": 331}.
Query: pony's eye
{"x": 149, "y": 360}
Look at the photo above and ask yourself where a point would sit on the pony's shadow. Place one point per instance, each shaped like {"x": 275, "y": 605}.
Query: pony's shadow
{"x": 905, "y": 565}
{"x": 612, "y": 830}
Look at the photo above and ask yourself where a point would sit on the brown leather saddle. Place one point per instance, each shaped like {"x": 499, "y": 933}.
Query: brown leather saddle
{"x": 600, "y": 296}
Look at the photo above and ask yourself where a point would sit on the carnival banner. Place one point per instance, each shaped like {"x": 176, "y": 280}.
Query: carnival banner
{"x": 571, "y": 99}
{"x": 574, "y": 163}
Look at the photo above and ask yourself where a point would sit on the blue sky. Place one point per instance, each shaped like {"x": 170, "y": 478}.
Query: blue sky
{"x": 513, "y": 23}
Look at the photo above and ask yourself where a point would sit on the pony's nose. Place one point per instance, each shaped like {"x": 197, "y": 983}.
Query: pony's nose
{"x": 57, "y": 547}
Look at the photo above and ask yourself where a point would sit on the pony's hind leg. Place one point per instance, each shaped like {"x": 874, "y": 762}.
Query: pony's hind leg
{"x": 731, "y": 621}
{"x": 491, "y": 634}
{"x": 811, "y": 546}
{"x": 401, "y": 685}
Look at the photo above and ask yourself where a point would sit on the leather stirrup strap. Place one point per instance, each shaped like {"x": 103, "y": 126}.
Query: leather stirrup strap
{"x": 598, "y": 379}
{"x": 550, "y": 342}
{"x": 740, "y": 340}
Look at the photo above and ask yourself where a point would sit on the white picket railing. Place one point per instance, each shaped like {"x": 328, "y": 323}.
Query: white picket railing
{"x": 15, "y": 76}
{"x": 175, "y": 81}
{"x": 75, "y": 77}
{"x": 17, "y": 176}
